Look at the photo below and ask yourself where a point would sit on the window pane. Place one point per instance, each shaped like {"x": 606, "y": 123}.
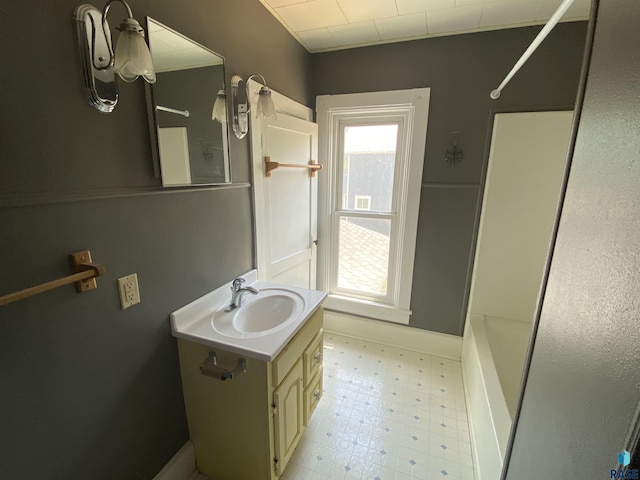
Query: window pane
{"x": 363, "y": 259}
{"x": 369, "y": 162}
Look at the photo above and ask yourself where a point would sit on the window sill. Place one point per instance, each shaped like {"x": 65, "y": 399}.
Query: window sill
{"x": 367, "y": 308}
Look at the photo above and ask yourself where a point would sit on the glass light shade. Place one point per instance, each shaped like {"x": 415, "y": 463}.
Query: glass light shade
{"x": 132, "y": 56}
{"x": 220, "y": 107}
{"x": 266, "y": 108}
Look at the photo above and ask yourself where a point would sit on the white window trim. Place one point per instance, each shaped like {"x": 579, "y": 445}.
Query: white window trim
{"x": 329, "y": 109}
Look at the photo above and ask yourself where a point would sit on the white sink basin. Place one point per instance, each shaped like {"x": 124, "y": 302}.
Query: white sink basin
{"x": 259, "y": 329}
{"x": 263, "y": 314}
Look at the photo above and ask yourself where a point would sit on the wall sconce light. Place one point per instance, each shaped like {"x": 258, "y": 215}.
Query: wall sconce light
{"x": 99, "y": 62}
{"x": 265, "y": 107}
{"x": 220, "y": 107}
{"x": 454, "y": 155}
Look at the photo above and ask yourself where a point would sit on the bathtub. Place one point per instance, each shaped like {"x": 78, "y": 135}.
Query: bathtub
{"x": 493, "y": 355}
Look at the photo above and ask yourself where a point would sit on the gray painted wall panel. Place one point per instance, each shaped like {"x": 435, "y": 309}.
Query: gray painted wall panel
{"x": 88, "y": 390}
{"x": 461, "y": 71}
{"x": 584, "y": 381}
{"x": 445, "y": 229}
{"x": 88, "y": 387}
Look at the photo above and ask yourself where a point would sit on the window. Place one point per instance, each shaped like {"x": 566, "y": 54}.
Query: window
{"x": 373, "y": 146}
{"x": 368, "y": 154}
{"x": 363, "y": 202}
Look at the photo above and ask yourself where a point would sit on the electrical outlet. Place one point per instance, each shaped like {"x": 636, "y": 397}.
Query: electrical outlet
{"x": 129, "y": 291}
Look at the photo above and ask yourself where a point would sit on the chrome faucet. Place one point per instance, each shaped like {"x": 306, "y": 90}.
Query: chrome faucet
{"x": 238, "y": 291}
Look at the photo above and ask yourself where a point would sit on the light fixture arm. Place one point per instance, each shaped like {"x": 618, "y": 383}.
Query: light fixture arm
{"x": 129, "y": 24}
{"x": 246, "y": 86}
{"x": 107, "y": 6}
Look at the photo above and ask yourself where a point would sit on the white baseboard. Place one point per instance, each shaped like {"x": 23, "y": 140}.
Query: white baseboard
{"x": 181, "y": 466}
{"x": 416, "y": 339}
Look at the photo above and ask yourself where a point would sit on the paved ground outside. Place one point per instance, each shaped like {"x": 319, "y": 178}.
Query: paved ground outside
{"x": 364, "y": 258}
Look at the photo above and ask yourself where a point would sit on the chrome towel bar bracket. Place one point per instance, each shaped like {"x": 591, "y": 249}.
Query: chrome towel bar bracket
{"x": 211, "y": 369}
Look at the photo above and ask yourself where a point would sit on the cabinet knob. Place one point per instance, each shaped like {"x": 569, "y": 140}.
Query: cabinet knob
{"x": 318, "y": 357}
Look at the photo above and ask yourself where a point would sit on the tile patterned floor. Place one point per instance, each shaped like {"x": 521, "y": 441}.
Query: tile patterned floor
{"x": 386, "y": 414}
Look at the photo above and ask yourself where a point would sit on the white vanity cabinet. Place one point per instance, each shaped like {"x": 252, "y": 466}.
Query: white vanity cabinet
{"x": 248, "y": 427}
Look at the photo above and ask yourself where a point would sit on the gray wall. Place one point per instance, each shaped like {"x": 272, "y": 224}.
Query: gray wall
{"x": 461, "y": 71}
{"x": 583, "y": 385}
{"x": 88, "y": 390}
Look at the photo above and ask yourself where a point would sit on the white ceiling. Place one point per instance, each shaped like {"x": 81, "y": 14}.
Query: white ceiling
{"x": 322, "y": 25}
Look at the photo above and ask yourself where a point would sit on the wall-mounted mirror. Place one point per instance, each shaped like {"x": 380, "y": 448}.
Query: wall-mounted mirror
{"x": 189, "y": 147}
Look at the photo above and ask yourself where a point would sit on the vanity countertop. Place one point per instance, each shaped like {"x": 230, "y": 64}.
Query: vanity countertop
{"x": 194, "y": 322}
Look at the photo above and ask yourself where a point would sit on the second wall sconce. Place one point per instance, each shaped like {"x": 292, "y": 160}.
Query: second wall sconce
{"x": 454, "y": 155}
{"x": 265, "y": 107}
{"x": 219, "y": 112}
{"x": 100, "y": 63}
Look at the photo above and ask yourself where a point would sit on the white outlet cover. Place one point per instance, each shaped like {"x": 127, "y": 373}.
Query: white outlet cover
{"x": 129, "y": 290}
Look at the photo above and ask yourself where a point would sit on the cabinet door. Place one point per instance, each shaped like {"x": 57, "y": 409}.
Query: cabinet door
{"x": 288, "y": 416}
{"x": 312, "y": 394}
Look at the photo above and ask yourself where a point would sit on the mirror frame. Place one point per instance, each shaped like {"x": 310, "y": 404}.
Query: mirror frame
{"x": 153, "y": 123}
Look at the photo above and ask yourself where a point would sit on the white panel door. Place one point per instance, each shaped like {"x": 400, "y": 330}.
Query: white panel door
{"x": 286, "y": 202}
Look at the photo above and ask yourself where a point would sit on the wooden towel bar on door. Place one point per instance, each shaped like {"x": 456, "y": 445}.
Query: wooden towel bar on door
{"x": 269, "y": 166}
{"x": 84, "y": 278}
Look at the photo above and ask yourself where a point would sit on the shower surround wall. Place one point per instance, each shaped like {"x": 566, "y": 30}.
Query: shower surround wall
{"x": 526, "y": 165}
{"x": 461, "y": 70}
{"x": 581, "y": 400}
{"x": 88, "y": 390}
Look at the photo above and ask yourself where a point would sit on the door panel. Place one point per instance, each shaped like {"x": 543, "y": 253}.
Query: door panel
{"x": 288, "y": 196}
{"x": 288, "y": 419}
{"x": 286, "y": 202}
{"x": 299, "y": 274}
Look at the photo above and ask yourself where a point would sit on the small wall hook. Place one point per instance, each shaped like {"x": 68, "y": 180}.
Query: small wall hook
{"x": 454, "y": 155}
